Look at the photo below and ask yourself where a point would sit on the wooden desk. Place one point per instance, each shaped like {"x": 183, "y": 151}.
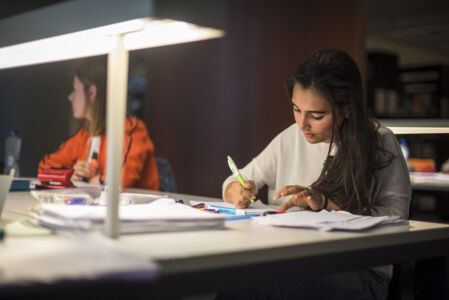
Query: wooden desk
{"x": 202, "y": 261}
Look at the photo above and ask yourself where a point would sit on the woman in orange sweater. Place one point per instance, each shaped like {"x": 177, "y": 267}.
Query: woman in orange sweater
{"x": 85, "y": 152}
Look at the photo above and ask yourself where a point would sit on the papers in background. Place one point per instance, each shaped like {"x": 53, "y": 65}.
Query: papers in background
{"x": 59, "y": 196}
{"x": 257, "y": 207}
{"x": 69, "y": 258}
{"x": 422, "y": 177}
{"x": 160, "y": 215}
{"x": 91, "y": 195}
{"x": 325, "y": 220}
{"x": 133, "y": 198}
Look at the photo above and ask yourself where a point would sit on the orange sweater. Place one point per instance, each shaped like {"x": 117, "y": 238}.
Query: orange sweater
{"x": 139, "y": 168}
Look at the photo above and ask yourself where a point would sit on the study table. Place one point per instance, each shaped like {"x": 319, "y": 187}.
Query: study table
{"x": 247, "y": 254}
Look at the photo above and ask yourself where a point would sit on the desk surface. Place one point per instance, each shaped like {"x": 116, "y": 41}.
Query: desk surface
{"x": 220, "y": 258}
{"x": 432, "y": 182}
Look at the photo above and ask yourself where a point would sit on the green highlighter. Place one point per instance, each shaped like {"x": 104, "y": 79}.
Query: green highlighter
{"x": 236, "y": 173}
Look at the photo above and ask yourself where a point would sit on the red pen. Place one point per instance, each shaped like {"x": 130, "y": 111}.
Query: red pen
{"x": 273, "y": 212}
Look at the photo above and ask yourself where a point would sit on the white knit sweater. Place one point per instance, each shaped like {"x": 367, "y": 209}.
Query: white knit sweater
{"x": 290, "y": 160}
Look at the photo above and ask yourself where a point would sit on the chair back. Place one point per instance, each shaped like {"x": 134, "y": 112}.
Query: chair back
{"x": 167, "y": 181}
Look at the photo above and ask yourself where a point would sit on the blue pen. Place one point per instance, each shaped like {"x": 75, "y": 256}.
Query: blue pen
{"x": 241, "y": 217}
{"x": 223, "y": 209}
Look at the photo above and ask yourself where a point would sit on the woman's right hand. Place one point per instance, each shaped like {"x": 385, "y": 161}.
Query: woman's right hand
{"x": 238, "y": 195}
{"x": 82, "y": 169}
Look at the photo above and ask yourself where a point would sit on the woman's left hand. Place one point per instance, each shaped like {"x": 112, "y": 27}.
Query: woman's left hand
{"x": 301, "y": 196}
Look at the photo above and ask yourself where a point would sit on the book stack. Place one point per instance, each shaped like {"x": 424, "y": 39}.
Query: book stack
{"x": 157, "y": 216}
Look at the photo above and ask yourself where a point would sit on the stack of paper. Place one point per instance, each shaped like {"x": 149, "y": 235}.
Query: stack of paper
{"x": 325, "y": 220}
{"x": 157, "y": 216}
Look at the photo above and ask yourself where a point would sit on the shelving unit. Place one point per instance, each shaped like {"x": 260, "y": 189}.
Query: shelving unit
{"x": 383, "y": 86}
{"x": 425, "y": 91}
{"x": 419, "y": 92}
{"x": 414, "y": 103}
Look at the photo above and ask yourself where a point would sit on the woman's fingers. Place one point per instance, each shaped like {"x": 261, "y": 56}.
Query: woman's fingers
{"x": 82, "y": 169}
{"x": 238, "y": 195}
{"x": 289, "y": 190}
{"x": 298, "y": 199}
{"x": 305, "y": 198}
{"x": 251, "y": 186}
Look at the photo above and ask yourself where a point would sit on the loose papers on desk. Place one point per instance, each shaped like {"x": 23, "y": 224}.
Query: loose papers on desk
{"x": 158, "y": 216}
{"x": 325, "y": 220}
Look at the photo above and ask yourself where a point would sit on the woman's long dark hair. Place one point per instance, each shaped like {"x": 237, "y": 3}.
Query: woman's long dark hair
{"x": 346, "y": 178}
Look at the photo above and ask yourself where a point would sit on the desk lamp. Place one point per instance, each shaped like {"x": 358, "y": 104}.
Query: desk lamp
{"x": 76, "y": 29}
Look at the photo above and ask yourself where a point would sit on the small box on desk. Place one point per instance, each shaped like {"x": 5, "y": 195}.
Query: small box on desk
{"x": 23, "y": 184}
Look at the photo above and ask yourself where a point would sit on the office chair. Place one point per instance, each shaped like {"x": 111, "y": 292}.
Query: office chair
{"x": 167, "y": 181}
{"x": 402, "y": 283}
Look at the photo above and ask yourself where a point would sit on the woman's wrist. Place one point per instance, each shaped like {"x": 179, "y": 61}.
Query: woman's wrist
{"x": 332, "y": 206}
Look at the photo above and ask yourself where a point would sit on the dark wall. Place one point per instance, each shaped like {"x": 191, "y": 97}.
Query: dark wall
{"x": 33, "y": 100}
{"x": 209, "y": 99}
{"x": 203, "y": 100}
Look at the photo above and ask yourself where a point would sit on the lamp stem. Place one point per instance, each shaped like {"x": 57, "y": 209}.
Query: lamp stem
{"x": 115, "y": 122}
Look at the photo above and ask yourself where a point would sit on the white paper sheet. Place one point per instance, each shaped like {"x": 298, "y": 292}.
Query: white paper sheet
{"x": 325, "y": 220}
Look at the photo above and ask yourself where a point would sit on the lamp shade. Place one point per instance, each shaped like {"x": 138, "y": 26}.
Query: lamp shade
{"x": 76, "y": 29}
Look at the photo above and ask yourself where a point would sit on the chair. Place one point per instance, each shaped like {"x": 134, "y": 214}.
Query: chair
{"x": 402, "y": 283}
{"x": 167, "y": 181}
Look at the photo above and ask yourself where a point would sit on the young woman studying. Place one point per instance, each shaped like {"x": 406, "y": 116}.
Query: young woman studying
{"x": 85, "y": 152}
{"x": 335, "y": 157}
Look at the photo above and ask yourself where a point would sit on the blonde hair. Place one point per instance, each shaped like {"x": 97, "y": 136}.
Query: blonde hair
{"x": 92, "y": 71}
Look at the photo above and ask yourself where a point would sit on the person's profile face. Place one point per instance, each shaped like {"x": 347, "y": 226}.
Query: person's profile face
{"x": 313, "y": 114}
{"x": 78, "y": 99}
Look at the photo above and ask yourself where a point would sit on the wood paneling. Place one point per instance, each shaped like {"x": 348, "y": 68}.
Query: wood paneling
{"x": 209, "y": 99}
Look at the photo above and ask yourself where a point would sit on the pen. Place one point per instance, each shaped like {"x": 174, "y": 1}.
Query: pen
{"x": 75, "y": 201}
{"x": 208, "y": 210}
{"x": 272, "y": 212}
{"x": 236, "y": 173}
{"x": 228, "y": 210}
{"x": 241, "y": 217}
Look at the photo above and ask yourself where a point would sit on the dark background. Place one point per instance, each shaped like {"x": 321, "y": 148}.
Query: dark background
{"x": 201, "y": 101}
